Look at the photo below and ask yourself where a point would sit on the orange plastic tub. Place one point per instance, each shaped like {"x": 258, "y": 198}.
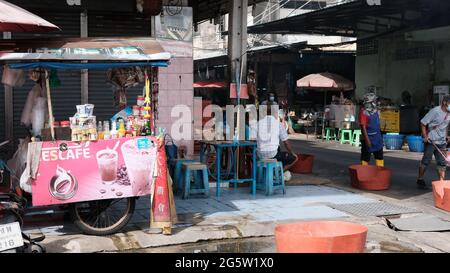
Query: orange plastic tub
{"x": 304, "y": 164}
{"x": 321, "y": 237}
{"x": 370, "y": 178}
{"x": 441, "y": 193}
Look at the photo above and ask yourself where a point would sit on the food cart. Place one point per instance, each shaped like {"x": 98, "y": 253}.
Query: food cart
{"x": 99, "y": 179}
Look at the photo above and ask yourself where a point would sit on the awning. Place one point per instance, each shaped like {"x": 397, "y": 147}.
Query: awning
{"x": 209, "y": 84}
{"x": 16, "y": 19}
{"x": 66, "y": 65}
{"x": 97, "y": 50}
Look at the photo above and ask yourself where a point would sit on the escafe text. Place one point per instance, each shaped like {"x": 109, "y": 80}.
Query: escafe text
{"x": 71, "y": 153}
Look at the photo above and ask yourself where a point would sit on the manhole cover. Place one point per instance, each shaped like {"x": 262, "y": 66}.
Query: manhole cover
{"x": 372, "y": 209}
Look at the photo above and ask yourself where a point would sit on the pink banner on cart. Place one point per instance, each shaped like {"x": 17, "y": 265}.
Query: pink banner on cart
{"x": 74, "y": 172}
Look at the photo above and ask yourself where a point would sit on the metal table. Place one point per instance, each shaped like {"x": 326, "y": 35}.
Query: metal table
{"x": 219, "y": 145}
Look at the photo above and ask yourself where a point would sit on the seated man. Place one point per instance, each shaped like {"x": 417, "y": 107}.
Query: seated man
{"x": 270, "y": 132}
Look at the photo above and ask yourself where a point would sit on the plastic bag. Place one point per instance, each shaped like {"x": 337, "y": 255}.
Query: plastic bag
{"x": 38, "y": 115}
{"x": 13, "y": 77}
{"x": 35, "y": 92}
{"x": 18, "y": 162}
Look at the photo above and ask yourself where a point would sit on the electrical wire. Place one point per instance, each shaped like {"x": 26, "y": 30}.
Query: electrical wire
{"x": 270, "y": 12}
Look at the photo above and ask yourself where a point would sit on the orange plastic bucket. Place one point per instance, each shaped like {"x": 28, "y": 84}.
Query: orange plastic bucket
{"x": 370, "y": 178}
{"x": 304, "y": 164}
{"x": 441, "y": 194}
{"x": 321, "y": 237}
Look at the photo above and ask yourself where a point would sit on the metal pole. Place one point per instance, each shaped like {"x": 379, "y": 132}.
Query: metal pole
{"x": 49, "y": 104}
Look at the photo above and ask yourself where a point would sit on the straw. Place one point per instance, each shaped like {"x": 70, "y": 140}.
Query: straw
{"x": 117, "y": 145}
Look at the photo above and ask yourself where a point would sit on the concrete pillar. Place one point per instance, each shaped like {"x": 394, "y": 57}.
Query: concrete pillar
{"x": 237, "y": 40}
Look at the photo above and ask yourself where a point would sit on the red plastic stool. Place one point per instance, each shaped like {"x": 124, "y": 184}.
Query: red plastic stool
{"x": 370, "y": 178}
{"x": 304, "y": 164}
{"x": 441, "y": 193}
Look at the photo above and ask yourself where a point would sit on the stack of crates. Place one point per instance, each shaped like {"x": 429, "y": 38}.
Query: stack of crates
{"x": 390, "y": 120}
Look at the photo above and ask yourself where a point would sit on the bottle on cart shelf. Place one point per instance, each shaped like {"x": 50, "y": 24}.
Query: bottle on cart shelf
{"x": 121, "y": 132}
{"x": 146, "y": 130}
{"x": 114, "y": 133}
{"x": 106, "y": 133}
{"x": 100, "y": 130}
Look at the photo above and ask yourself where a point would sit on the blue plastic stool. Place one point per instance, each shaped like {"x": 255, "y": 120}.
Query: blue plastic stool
{"x": 201, "y": 184}
{"x": 177, "y": 172}
{"x": 270, "y": 176}
{"x": 260, "y": 180}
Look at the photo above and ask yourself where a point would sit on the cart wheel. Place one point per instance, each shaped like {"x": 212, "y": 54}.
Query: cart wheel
{"x": 102, "y": 217}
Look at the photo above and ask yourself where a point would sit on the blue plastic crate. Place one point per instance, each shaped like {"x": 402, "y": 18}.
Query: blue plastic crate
{"x": 393, "y": 142}
{"x": 415, "y": 144}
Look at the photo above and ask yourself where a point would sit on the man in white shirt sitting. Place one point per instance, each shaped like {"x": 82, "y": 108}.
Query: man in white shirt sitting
{"x": 270, "y": 132}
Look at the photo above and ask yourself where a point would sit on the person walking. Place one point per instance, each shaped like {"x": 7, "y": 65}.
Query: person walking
{"x": 369, "y": 120}
{"x": 434, "y": 128}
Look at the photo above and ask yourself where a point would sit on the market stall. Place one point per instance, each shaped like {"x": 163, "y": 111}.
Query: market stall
{"x": 88, "y": 163}
{"x": 341, "y": 113}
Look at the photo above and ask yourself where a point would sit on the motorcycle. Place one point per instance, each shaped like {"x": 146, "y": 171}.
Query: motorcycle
{"x": 12, "y": 206}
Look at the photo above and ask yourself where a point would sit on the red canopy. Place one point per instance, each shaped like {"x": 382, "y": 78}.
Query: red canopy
{"x": 16, "y": 19}
{"x": 208, "y": 84}
{"x": 326, "y": 82}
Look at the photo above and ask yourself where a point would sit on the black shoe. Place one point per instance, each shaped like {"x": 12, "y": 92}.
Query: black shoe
{"x": 421, "y": 184}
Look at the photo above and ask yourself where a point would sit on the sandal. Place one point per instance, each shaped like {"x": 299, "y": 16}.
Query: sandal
{"x": 421, "y": 184}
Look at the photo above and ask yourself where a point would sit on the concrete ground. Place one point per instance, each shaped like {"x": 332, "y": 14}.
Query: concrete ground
{"x": 237, "y": 222}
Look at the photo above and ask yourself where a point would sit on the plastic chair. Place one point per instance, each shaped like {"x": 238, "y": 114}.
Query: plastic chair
{"x": 201, "y": 183}
{"x": 345, "y": 136}
{"x": 356, "y": 139}
{"x": 329, "y": 134}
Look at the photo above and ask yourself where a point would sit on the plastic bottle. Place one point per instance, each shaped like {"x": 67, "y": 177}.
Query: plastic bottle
{"x": 106, "y": 132}
{"x": 114, "y": 133}
{"x": 100, "y": 130}
{"x": 121, "y": 132}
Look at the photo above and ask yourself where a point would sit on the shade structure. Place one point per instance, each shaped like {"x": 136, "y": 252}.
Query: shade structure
{"x": 98, "y": 49}
{"x": 210, "y": 84}
{"x": 326, "y": 82}
{"x": 16, "y": 19}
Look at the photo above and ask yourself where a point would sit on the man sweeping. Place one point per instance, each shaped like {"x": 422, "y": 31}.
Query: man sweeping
{"x": 434, "y": 128}
{"x": 369, "y": 120}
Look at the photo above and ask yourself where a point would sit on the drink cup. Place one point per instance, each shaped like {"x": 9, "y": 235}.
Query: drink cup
{"x": 140, "y": 163}
{"x": 107, "y": 165}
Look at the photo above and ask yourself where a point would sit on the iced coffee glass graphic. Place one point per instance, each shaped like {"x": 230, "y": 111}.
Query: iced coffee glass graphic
{"x": 107, "y": 165}
{"x": 139, "y": 162}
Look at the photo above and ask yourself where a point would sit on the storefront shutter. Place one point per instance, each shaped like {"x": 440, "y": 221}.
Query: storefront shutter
{"x": 65, "y": 97}
{"x": 107, "y": 25}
